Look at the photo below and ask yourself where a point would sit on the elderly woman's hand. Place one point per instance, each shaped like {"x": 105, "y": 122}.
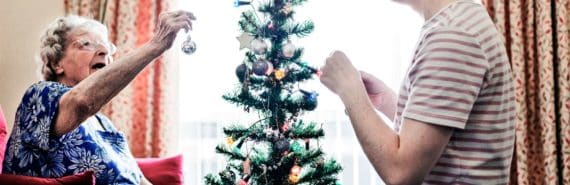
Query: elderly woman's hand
{"x": 169, "y": 25}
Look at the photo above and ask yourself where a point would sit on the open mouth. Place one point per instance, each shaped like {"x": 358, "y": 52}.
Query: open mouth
{"x": 98, "y": 66}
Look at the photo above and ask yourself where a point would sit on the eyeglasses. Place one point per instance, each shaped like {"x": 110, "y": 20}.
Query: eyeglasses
{"x": 89, "y": 45}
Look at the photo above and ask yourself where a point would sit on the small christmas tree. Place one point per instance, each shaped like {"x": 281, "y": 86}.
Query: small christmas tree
{"x": 279, "y": 148}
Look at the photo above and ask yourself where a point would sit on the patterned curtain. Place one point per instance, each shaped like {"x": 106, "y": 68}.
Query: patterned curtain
{"x": 143, "y": 110}
{"x": 536, "y": 34}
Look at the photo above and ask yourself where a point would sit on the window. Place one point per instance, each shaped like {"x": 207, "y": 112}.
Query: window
{"x": 378, "y": 36}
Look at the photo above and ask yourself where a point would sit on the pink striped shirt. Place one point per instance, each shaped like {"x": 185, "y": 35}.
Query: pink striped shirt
{"x": 460, "y": 78}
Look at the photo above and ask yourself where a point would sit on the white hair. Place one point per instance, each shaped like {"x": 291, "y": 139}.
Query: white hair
{"x": 54, "y": 40}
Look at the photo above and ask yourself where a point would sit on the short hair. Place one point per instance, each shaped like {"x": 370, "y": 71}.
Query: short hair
{"x": 54, "y": 40}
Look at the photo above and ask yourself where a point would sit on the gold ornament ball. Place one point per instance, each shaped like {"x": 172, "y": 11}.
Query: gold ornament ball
{"x": 293, "y": 179}
{"x": 279, "y": 74}
{"x": 229, "y": 140}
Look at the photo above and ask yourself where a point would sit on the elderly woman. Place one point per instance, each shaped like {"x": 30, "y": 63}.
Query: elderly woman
{"x": 58, "y": 130}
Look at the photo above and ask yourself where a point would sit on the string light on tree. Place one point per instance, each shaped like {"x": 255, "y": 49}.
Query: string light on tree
{"x": 296, "y": 170}
{"x": 285, "y": 127}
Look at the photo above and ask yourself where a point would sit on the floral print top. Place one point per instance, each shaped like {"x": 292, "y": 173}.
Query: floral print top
{"x": 95, "y": 145}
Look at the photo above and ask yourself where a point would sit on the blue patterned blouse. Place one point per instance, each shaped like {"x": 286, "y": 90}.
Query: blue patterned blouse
{"x": 95, "y": 145}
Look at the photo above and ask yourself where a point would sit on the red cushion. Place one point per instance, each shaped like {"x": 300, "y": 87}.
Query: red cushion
{"x": 85, "y": 178}
{"x": 3, "y": 137}
{"x": 163, "y": 171}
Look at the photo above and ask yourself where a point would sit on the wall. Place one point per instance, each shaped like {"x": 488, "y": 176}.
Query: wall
{"x": 21, "y": 25}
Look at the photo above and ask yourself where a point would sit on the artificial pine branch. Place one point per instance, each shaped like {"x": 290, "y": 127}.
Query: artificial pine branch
{"x": 297, "y": 2}
{"x": 303, "y": 29}
{"x": 260, "y": 158}
{"x": 310, "y": 157}
{"x": 211, "y": 179}
{"x": 325, "y": 181}
{"x": 275, "y": 34}
{"x": 259, "y": 83}
{"x": 254, "y": 132}
{"x": 292, "y": 104}
{"x": 304, "y": 64}
{"x": 250, "y": 57}
{"x": 267, "y": 8}
{"x": 231, "y": 154}
{"x": 327, "y": 169}
{"x": 249, "y": 22}
{"x": 246, "y": 99}
{"x": 306, "y": 131}
{"x": 236, "y": 131}
{"x": 298, "y": 76}
{"x": 297, "y": 55}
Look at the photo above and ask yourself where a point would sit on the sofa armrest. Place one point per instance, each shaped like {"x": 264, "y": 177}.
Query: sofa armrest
{"x": 163, "y": 171}
{"x": 85, "y": 178}
{"x": 3, "y": 137}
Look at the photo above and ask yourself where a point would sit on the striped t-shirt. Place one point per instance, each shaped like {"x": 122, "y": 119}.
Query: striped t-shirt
{"x": 460, "y": 78}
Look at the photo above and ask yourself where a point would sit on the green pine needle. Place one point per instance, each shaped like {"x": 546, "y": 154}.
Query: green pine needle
{"x": 302, "y": 30}
{"x": 231, "y": 154}
{"x": 320, "y": 173}
{"x": 298, "y": 2}
{"x": 310, "y": 157}
{"x": 236, "y": 131}
{"x": 309, "y": 131}
{"x": 249, "y": 22}
{"x": 211, "y": 179}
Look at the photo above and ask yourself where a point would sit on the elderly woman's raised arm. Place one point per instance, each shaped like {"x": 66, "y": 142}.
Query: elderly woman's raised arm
{"x": 91, "y": 94}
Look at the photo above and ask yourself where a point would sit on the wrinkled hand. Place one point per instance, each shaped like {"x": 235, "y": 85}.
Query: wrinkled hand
{"x": 168, "y": 26}
{"x": 374, "y": 87}
{"x": 339, "y": 75}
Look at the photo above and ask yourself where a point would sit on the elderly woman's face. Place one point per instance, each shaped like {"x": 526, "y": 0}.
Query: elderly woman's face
{"x": 86, "y": 53}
